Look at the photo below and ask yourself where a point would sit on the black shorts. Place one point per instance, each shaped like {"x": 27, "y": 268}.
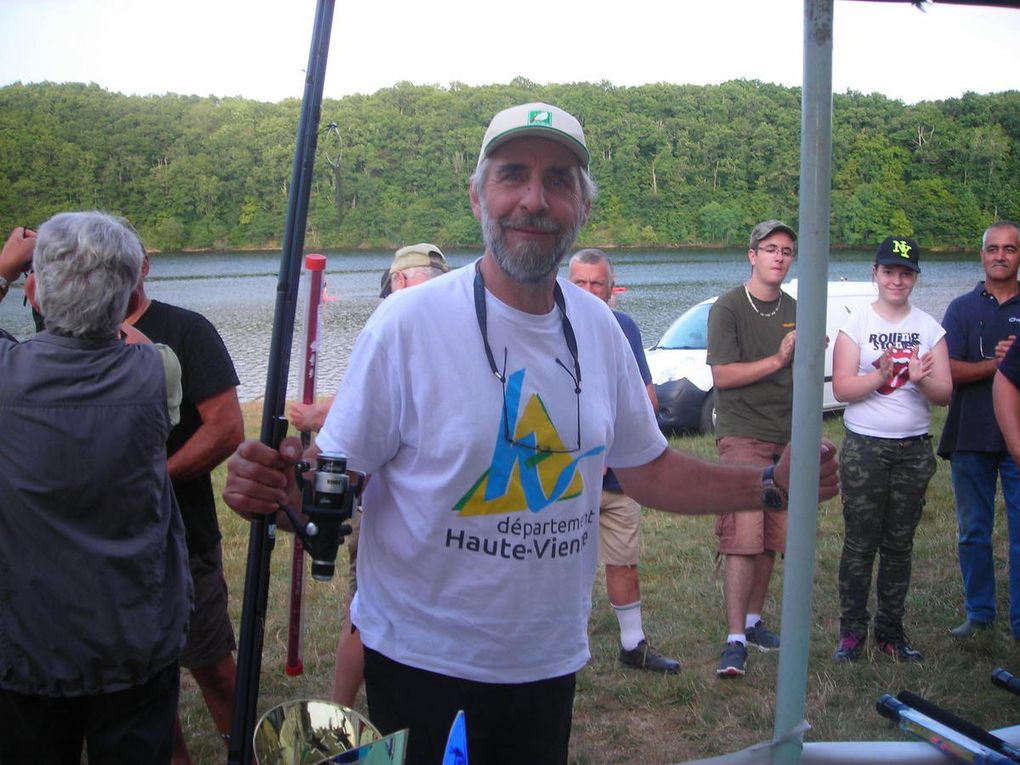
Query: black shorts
{"x": 509, "y": 723}
{"x": 210, "y": 633}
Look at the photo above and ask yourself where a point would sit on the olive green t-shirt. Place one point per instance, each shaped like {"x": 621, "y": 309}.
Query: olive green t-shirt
{"x": 737, "y": 332}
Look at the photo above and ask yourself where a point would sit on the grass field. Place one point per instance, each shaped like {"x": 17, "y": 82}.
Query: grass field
{"x": 634, "y": 717}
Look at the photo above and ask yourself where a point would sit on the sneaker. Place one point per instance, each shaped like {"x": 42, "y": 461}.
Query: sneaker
{"x": 646, "y": 657}
{"x": 761, "y": 636}
{"x": 900, "y": 650}
{"x": 969, "y": 629}
{"x": 732, "y": 661}
{"x": 849, "y": 648}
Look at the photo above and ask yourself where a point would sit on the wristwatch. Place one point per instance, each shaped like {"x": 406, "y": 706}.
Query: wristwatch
{"x": 772, "y": 496}
{"x": 4, "y": 286}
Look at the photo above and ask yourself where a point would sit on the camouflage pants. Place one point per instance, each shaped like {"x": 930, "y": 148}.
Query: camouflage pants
{"x": 883, "y": 484}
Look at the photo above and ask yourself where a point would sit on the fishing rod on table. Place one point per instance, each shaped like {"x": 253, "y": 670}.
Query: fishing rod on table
{"x": 262, "y": 533}
{"x": 952, "y": 735}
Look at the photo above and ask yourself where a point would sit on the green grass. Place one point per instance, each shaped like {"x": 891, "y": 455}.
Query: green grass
{"x": 633, "y": 717}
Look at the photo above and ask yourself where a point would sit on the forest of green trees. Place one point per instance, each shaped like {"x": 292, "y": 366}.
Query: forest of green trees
{"x": 676, "y": 164}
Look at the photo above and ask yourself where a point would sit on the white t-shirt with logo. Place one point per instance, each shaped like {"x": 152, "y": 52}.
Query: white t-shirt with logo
{"x": 897, "y": 409}
{"x": 477, "y": 556}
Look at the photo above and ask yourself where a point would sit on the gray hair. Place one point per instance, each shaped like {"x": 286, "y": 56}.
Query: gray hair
{"x": 592, "y": 256}
{"x": 86, "y": 266}
{"x": 1000, "y": 224}
{"x": 589, "y": 190}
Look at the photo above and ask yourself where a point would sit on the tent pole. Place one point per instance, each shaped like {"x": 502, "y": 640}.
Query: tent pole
{"x": 808, "y": 372}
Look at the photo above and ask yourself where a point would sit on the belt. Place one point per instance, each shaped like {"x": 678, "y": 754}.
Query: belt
{"x": 905, "y": 439}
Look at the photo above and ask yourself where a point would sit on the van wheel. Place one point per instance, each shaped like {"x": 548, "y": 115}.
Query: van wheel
{"x": 706, "y": 421}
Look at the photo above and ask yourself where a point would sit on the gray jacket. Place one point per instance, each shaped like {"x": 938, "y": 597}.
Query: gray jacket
{"x": 94, "y": 586}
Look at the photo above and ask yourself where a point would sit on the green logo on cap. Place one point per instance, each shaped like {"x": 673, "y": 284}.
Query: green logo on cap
{"x": 540, "y": 117}
{"x": 901, "y": 248}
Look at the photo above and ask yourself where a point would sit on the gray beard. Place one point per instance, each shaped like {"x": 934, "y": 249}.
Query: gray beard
{"x": 528, "y": 264}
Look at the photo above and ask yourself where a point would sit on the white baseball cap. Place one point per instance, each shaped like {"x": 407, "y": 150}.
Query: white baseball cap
{"x": 535, "y": 119}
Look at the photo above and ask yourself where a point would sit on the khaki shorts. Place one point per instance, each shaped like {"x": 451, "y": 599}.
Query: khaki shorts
{"x": 210, "y": 633}
{"x": 619, "y": 529}
{"x": 754, "y": 531}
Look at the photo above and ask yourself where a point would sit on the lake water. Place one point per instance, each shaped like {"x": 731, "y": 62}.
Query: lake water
{"x": 237, "y": 292}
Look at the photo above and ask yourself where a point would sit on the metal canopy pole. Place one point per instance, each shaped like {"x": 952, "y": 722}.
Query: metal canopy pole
{"x": 808, "y": 373}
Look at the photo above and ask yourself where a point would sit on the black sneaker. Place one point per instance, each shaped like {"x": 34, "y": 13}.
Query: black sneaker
{"x": 646, "y": 657}
{"x": 761, "y": 636}
{"x": 900, "y": 650}
{"x": 849, "y": 648}
{"x": 732, "y": 661}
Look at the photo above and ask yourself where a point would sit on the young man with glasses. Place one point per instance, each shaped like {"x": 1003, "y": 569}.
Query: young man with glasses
{"x": 980, "y": 328}
{"x": 485, "y": 406}
{"x": 751, "y": 337}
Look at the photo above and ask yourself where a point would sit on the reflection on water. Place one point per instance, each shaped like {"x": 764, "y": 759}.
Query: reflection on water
{"x": 237, "y": 292}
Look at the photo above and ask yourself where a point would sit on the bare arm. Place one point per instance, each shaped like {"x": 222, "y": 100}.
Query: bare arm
{"x": 933, "y": 377}
{"x": 740, "y": 373}
{"x": 679, "y": 483}
{"x": 222, "y": 429}
{"x": 309, "y": 417}
{"x": 653, "y": 397}
{"x": 964, "y": 372}
{"x": 16, "y": 255}
{"x": 1006, "y": 397}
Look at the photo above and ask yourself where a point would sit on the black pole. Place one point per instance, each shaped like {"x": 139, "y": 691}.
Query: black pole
{"x": 263, "y": 528}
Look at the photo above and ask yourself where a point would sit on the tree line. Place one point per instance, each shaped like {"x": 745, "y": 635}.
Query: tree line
{"x": 676, "y": 164}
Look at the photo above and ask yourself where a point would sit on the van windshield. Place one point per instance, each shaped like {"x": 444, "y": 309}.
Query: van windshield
{"x": 689, "y": 332}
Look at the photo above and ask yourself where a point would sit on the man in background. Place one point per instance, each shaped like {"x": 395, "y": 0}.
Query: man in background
{"x": 751, "y": 336}
{"x": 211, "y": 427}
{"x": 619, "y": 515}
{"x": 412, "y": 265}
{"x": 980, "y": 328}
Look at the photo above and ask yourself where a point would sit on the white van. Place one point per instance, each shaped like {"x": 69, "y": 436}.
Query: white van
{"x": 683, "y": 381}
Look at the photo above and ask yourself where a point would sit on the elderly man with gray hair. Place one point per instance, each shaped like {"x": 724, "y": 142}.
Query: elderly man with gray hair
{"x": 95, "y": 592}
{"x": 486, "y": 447}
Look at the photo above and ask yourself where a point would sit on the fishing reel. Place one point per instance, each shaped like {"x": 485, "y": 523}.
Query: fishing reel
{"x": 327, "y": 499}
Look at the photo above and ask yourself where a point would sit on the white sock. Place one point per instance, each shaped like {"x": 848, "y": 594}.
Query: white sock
{"x": 750, "y": 620}
{"x": 629, "y": 617}
{"x": 738, "y": 637}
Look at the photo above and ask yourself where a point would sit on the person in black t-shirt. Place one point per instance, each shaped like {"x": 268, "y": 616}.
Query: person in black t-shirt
{"x": 211, "y": 427}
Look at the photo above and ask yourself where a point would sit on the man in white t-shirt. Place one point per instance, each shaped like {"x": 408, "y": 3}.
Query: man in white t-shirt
{"x": 485, "y": 435}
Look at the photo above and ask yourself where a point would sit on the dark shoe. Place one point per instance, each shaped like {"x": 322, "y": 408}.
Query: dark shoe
{"x": 849, "y": 648}
{"x": 646, "y": 657}
{"x": 732, "y": 661}
{"x": 762, "y": 637}
{"x": 969, "y": 629}
{"x": 900, "y": 650}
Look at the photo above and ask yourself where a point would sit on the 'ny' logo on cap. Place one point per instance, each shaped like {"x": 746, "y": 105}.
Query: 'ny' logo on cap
{"x": 540, "y": 117}
{"x": 901, "y": 248}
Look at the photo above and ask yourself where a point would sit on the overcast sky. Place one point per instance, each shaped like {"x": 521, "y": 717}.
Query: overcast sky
{"x": 259, "y": 48}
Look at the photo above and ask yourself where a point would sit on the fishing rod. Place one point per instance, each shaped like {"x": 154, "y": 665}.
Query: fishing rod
{"x": 315, "y": 265}
{"x": 262, "y": 533}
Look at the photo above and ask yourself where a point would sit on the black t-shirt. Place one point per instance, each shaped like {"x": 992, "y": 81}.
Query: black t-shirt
{"x": 206, "y": 369}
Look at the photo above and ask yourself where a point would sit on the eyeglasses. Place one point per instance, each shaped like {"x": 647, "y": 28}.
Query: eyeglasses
{"x": 981, "y": 342}
{"x": 575, "y": 376}
{"x": 772, "y": 249}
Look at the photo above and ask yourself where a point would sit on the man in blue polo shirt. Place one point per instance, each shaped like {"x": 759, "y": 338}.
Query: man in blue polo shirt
{"x": 980, "y": 328}
{"x": 619, "y": 515}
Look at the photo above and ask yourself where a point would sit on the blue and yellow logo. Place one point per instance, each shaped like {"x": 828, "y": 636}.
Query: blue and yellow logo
{"x": 522, "y": 478}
